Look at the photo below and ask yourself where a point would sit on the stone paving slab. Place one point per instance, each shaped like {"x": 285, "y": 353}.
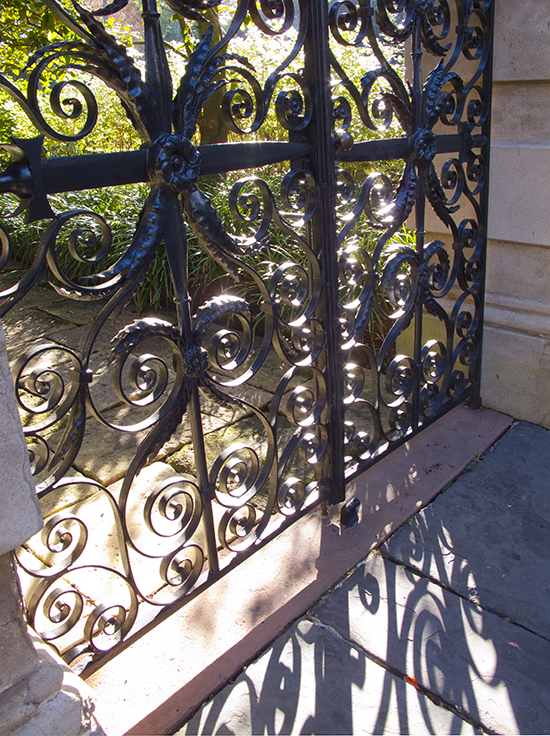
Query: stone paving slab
{"x": 77, "y": 312}
{"x": 503, "y": 504}
{"x": 27, "y": 326}
{"x": 160, "y": 679}
{"x": 496, "y": 671}
{"x": 311, "y": 681}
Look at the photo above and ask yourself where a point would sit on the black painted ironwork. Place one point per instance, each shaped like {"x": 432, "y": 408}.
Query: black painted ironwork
{"x": 366, "y": 333}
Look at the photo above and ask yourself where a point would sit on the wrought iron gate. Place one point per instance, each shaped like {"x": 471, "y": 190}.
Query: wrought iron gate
{"x": 342, "y": 329}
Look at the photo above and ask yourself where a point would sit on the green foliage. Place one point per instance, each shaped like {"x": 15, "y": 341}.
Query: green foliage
{"x": 120, "y": 206}
{"x": 27, "y": 26}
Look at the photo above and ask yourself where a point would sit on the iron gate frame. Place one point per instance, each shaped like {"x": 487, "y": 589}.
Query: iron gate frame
{"x": 170, "y": 162}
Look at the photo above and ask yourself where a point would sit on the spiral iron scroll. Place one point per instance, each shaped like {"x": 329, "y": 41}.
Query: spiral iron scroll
{"x": 237, "y": 415}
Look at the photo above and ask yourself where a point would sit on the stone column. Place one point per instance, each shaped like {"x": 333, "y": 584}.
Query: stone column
{"x": 516, "y": 363}
{"x": 38, "y": 693}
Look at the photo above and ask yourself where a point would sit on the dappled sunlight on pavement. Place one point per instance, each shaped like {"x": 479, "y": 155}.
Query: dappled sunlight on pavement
{"x": 444, "y": 630}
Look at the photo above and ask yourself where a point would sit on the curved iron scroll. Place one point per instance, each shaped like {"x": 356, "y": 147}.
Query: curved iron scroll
{"x": 241, "y": 419}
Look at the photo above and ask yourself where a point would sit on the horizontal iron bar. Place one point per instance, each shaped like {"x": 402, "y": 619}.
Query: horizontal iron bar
{"x": 97, "y": 170}
{"x": 94, "y": 171}
{"x": 396, "y": 148}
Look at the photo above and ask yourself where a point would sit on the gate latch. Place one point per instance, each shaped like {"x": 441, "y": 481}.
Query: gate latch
{"x": 349, "y": 514}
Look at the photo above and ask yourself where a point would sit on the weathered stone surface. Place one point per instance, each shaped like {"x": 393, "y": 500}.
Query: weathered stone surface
{"x": 516, "y": 272}
{"x": 27, "y": 326}
{"x": 312, "y": 681}
{"x": 516, "y": 374}
{"x": 512, "y": 163}
{"x": 522, "y": 41}
{"x": 68, "y": 494}
{"x": 72, "y": 310}
{"x": 20, "y": 514}
{"x": 15, "y": 646}
{"x": 520, "y": 111}
{"x": 205, "y": 644}
{"x": 494, "y": 670}
{"x": 69, "y": 710}
{"x": 249, "y": 432}
{"x": 42, "y": 297}
{"x": 38, "y": 694}
{"x": 270, "y": 373}
{"x": 76, "y": 336}
{"x": 105, "y": 546}
{"x": 504, "y": 504}
{"x": 247, "y": 392}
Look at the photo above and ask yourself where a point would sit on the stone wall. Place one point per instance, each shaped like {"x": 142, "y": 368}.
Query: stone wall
{"x": 516, "y": 362}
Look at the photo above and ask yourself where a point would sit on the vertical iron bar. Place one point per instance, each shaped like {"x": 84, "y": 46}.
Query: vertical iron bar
{"x": 420, "y": 219}
{"x": 475, "y": 399}
{"x": 324, "y": 233}
{"x": 157, "y": 70}
{"x": 176, "y": 251}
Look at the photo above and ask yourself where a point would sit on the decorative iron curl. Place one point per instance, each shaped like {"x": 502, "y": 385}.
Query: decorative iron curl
{"x": 382, "y": 208}
{"x": 228, "y": 349}
{"x": 429, "y": 14}
{"x": 305, "y": 452}
{"x": 435, "y": 14}
{"x": 84, "y": 246}
{"x": 64, "y": 538}
{"x": 434, "y": 360}
{"x": 379, "y": 113}
{"x": 238, "y": 475}
{"x": 476, "y": 42}
{"x": 357, "y": 288}
{"x": 299, "y": 197}
{"x": 173, "y": 508}
{"x": 55, "y": 609}
{"x": 191, "y": 9}
{"x": 49, "y": 395}
{"x": 279, "y": 11}
{"x": 248, "y": 207}
{"x": 140, "y": 252}
{"x": 348, "y": 17}
{"x": 147, "y": 374}
{"x": 5, "y": 249}
{"x": 68, "y": 108}
{"x": 182, "y": 569}
{"x": 109, "y": 624}
{"x": 239, "y": 106}
{"x": 360, "y": 444}
{"x": 293, "y": 107}
{"x": 238, "y": 528}
{"x": 465, "y": 323}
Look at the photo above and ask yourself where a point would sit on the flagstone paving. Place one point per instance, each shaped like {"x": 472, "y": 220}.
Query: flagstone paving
{"x": 443, "y": 630}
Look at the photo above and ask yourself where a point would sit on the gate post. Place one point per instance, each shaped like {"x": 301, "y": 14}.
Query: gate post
{"x": 317, "y": 75}
{"x": 38, "y": 693}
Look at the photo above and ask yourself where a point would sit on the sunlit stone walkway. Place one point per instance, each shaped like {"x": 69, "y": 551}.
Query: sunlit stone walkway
{"x": 444, "y": 630}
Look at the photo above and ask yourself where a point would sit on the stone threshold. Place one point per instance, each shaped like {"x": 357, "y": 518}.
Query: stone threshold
{"x": 158, "y": 682}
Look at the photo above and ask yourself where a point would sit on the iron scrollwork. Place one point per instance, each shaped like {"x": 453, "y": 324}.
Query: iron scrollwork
{"x": 238, "y": 419}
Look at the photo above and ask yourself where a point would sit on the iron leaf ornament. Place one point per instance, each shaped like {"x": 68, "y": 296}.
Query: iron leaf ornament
{"x": 337, "y": 329}
{"x": 165, "y": 125}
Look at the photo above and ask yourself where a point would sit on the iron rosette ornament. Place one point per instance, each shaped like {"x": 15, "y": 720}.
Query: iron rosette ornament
{"x": 166, "y": 124}
{"x": 198, "y": 355}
